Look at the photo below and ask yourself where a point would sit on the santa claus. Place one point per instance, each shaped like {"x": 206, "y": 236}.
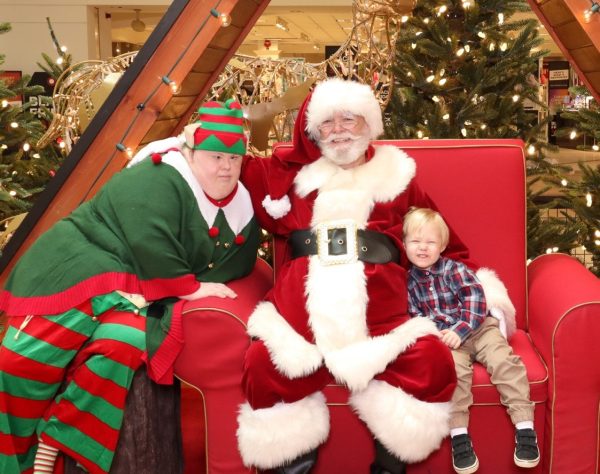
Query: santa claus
{"x": 338, "y": 308}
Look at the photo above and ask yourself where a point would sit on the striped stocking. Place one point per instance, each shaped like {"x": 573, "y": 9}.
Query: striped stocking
{"x": 44, "y": 459}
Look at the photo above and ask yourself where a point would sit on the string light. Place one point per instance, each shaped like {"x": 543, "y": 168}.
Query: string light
{"x": 503, "y": 46}
{"x": 573, "y": 135}
{"x": 564, "y": 182}
{"x": 435, "y": 98}
{"x": 531, "y": 150}
{"x": 26, "y": 146}
{"x": 175, "y": 88}
{"x": 595, "y": 147}
{"x": 14, "y": 124}
{"x": 482, "y": 35}
{"x": 460, "y": 52}
{"x": 430, "y": 78}
{"x": 587, "y": 14}
{"x": 446, "y": 116}
{"x": 516, "y": 98}
{"x": 588, "y": 200}
{"x": 4, "y": 103}
{"x": 500, "y": 18}
{"x": 404, "y": 18}
{"x": 224, "y": 18}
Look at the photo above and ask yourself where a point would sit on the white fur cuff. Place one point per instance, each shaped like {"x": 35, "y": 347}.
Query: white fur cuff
{"x": 355, "y": 365}
{"x": 496, "y": 296}
{"x": 293, "y": 355}
{"x": 270, "y": 437}
{"x": 409, "y": 428}
{"x": 277, "y": 208}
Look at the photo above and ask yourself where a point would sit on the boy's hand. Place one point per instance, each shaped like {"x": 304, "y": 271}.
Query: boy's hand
{"x": 450, "y": 338}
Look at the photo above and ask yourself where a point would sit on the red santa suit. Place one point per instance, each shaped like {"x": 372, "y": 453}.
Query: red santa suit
{"x": 345, "y": 322}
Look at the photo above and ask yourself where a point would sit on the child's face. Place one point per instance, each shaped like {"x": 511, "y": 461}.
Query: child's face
{"x": 423, "y": 247}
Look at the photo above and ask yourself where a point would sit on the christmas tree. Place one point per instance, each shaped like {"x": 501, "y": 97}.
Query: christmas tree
{"x": 24, "y": 167}
{"x": 468, "y": 69}
{"x": 583, "y": 199}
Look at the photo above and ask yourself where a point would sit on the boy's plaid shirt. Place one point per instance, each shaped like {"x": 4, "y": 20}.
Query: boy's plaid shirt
{"x": 449, "y": 294}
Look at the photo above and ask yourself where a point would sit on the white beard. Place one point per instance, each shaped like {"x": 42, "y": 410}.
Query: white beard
{"x": 346, "y": 154}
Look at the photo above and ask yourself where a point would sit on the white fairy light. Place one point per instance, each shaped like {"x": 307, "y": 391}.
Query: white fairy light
{"x": 588, "y": 200}
{"x": 442, "y": 81}
{"x": 430, "y": 78}
{"x": 531, "y": 150}
{"x": 564, "y": 182}
{"x": 573, "y": 135}
{"x": 446, "y": 116}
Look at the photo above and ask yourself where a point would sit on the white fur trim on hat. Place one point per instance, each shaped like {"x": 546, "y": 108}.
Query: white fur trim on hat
{"x": 158, "y": 146}
{"x": 293, "y": 355}
{"x": 277, "y": 208}
{"x": 496, "y": 296}
{"x": 409, "y": 428}
{"x": 338, "y": 95}
{"x": 270, "y": 437}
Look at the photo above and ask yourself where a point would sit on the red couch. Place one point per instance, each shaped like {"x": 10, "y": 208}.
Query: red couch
{"x": 479, "y": 186}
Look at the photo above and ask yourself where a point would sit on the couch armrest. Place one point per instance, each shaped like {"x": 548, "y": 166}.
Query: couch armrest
{"x": 214, "y": 329}
{"x": 564, "y": 323}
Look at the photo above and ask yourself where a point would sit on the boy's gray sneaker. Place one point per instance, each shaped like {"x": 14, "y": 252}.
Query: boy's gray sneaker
{"x": 464, "y": 459}
{"x": 527, "y": 453}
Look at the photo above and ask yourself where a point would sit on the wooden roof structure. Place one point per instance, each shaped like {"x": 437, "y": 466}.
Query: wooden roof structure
{"x": 191, "y": 47}
{"x": 579, "y": 41}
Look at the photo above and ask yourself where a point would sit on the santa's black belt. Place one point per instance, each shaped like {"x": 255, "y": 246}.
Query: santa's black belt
{"x": 335, "y": 244}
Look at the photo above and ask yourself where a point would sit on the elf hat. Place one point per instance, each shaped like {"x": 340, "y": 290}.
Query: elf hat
{"x": 339, "y": 95}
{"x": 218, "y": 127}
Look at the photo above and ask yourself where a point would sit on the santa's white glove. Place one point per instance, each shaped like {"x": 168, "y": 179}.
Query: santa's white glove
{"x": 497, "y": 313}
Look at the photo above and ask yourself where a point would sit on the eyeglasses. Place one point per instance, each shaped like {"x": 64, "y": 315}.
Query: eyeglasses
{"x": 347, "y": 122}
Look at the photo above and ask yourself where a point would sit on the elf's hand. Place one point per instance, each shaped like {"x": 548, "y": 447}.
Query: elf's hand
{"x": 450, "y": 338}
{"x": 211, "y": 289}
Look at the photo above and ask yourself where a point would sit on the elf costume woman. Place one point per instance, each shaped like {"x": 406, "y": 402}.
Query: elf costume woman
{"x": 173, "y": 225}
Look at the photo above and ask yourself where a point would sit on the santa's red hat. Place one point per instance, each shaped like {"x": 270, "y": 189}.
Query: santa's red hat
{"x": 330, "y": 96}
{"x": 337, "y": 95}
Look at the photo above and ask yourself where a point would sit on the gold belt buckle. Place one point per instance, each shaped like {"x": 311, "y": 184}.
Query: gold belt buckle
{"x": 351, "y": 254}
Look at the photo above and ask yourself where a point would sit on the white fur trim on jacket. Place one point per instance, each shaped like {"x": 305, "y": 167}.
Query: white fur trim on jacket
{"x": 338, "y": 95}
{"x": 270, "y": 437}
{"x": 293, "y": 355}
{"x": 159, "y": 146}
{"x": 496, "y": 296}
{"x": 357, "y": 364}
{"x": 409, "y": 428}
{"x": 277, "y": 208}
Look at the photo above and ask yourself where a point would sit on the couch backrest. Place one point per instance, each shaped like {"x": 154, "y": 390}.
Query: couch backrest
{"x": 479, "y": 187}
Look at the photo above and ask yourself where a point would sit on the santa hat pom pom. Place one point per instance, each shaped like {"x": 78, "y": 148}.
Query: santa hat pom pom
{"x": 213, "y": 232}
{"x": 239, "y": 239}
{"x": 156, "y": 158}
{"x": 277, "y": 208}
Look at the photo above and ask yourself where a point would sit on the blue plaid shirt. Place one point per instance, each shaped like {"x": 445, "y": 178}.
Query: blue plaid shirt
{"x": 449, "y": 294}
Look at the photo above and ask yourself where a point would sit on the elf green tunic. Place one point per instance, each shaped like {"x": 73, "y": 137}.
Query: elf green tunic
{"x": 80, "y": 292}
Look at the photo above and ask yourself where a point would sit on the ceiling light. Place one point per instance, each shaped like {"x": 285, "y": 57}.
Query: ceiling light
{"x": 137, "y": 24}
{"x": 281, "y": 24}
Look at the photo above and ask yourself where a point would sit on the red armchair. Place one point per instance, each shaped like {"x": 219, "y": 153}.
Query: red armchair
{"x": 479, "y": 186}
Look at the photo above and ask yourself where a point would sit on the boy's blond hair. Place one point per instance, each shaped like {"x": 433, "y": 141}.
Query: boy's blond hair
{"x": 417, "y": 217}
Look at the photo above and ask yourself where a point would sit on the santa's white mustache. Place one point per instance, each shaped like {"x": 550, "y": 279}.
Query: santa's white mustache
{"x": 340, "y": 136}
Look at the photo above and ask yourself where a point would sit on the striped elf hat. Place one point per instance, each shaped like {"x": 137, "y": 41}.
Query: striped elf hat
{"x": 218, "y": 127}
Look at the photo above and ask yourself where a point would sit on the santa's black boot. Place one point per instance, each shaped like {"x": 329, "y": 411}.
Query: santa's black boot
{"x": 385, "y": 462}
{"x": 301, "y": 465}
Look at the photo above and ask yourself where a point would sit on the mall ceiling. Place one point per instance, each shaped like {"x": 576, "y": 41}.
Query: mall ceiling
{"x": 306, "y": 29}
